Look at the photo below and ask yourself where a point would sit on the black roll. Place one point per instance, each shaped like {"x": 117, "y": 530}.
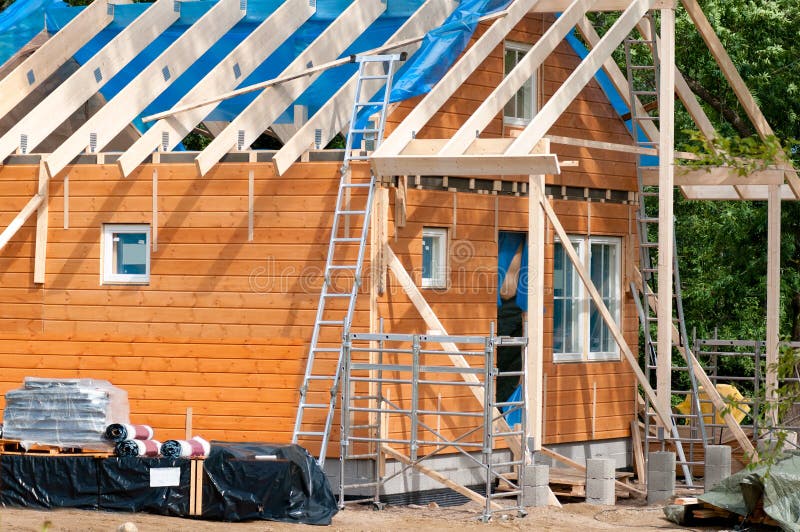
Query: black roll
{"x": 171, "y": 449}
{"x": 126, "y": 448}
{"x": 116, "y": 432}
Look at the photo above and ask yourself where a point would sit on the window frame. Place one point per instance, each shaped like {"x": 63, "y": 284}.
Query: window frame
{"x": 520, "y": 49}
{"x": 439, "y": 279}
{"x": 583, "y": 245}
{"x": 107, "y": 257}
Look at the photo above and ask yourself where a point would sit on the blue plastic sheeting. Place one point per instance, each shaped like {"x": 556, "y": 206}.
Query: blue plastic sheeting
{"x": 507, "y": 246}
{"x": 613, "y": 97}
{"x": 437, "y": 53}
{"x": 513, "y": 414}
{"x": 20, "y": 22}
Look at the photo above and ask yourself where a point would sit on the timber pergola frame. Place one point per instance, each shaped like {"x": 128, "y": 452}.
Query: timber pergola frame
{"x": 528, "y": 157}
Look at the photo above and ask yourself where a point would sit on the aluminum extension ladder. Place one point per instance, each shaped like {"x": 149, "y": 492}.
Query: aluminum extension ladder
{"x": 643, "y": 83}
{"x": 345, "y": 260}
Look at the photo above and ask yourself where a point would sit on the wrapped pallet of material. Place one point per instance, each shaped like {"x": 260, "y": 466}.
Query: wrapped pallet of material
{"x": 64, "y": 412}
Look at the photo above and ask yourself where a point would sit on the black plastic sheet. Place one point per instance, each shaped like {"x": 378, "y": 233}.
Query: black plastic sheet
{"x": 49, "y": 481}
{"x": 126, "y": 485}
{"x": 248, "y": 481}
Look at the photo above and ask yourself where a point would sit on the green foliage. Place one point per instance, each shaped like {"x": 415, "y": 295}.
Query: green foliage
{"x": 746, "y": 155}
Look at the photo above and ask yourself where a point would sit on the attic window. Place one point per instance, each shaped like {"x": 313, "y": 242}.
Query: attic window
{"x": 125, "y": 255}
{"x": 434, "y": 257}
{"x": 522, "y": 106}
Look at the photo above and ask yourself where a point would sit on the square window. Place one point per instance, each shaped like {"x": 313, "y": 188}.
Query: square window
{"x": 126, "y": 254}
{"x": 522, "y": 106}
{"x": 434, "y": 257}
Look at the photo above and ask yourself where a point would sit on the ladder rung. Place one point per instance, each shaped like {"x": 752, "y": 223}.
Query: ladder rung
{"x": 351, "y": 213}
{"x": 319, "y": 378}
{"x": 331, "y": 322}
{"x": 645, "y": 93}
{"x": 348, "y": 239}
{"x": 315, "y": 405}
{"x": 308, "y": 433}
{"x": 357, "y": 185}
{"x": 364, "y": 130}
{"x": 326, "y": 350}
{"x": 643, "y": 67}
{"x": 342, "y": 267}
{"x": 336, "y": 295}
{"x": 648, "y": 220}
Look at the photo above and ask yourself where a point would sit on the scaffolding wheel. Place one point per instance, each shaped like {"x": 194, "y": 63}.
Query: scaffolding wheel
{"x": 378, "y": 506}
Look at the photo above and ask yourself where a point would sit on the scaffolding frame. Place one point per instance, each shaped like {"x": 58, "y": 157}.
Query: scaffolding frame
{"x": 374, "y": 360}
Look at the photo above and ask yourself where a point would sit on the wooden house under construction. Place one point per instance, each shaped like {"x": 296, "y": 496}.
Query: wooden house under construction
{"x": 506, "y": 192}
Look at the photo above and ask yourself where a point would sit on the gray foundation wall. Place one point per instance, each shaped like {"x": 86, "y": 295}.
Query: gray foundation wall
{"x": 465, "y": 471}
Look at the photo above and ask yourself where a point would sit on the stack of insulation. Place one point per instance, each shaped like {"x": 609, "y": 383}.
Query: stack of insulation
{"x": 64, "y": 412}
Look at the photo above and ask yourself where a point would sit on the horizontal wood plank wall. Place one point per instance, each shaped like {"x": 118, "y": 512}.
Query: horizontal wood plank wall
{"x": 590, "y": 116}
{"x": 468, "y": 305}
{"x": 239, "y": 390}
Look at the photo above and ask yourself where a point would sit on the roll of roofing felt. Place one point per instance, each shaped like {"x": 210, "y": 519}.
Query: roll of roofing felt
{"x": 117, "y": 432}
{"x": 197, "y": 446}
{"x": 138, "y": 448}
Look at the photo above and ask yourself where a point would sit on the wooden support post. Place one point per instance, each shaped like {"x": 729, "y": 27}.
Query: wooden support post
{"x": 535, "y": 370}
{"x": 773, "y": 297}
{"x": 20, "y": 219}
{"x": 42, "y": 215}
{"x": 188, "y": 426}
{"x": 666, "y": 180}
{"x": 638, "y": 452}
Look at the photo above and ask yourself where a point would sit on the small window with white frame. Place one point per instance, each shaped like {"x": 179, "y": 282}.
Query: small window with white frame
{"x": 579, "y": 332}
{"x": 125, "y": 255}
{"x": 434, "y": 257}
{"x": 522, "y": 106}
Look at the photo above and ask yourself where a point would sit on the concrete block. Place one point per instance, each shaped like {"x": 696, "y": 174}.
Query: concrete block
{"x": 660, "y": 476}
{"x": 600, "y": 491}
{"x": 656, "y": 496}
{"x": 717, "y": 465}
{"x": 537, "y": 496}
{"x": 536, "y": 475}
{"x": 600, "y": 468}
{"x": 661, "y": 461}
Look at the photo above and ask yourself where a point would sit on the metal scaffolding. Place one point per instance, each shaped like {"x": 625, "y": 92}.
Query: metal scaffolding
{"x": 408, "y": 427}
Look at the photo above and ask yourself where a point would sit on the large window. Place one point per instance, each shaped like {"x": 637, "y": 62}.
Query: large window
{"x": 434, "y": 257}
{"x": 126, "y": 254}
{"x": 520, "y": 109}
{"x": 579, "y": 332}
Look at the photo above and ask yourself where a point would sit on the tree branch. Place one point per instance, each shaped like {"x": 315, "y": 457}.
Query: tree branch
{"x": 739, "y": 124}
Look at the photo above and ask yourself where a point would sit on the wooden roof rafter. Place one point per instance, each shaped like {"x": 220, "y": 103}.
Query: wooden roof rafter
{"x": 121, "y": 110}
{"x": 56, "y": 51}
{"x": 270, "y": 104}
{"x": 89, "y": 78}
{"x": 248, "y": 55}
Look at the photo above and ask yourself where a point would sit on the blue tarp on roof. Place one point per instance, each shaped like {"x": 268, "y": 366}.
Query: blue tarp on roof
{"x": 21, "y": 21}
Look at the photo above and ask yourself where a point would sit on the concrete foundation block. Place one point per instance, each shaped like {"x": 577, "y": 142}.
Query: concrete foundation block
{"x": 600, "y": 491}
{"x": 600, "y": 468}
{"x": 537, "y": 496}
{"x": 717, "y": 465}
{"x": 661, "y": 461}
{"x": 536, "y": 475}
{"x": 660, "y": 476}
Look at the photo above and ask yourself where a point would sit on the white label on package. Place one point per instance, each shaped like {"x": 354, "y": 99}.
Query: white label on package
{"x": 161, "y": 477}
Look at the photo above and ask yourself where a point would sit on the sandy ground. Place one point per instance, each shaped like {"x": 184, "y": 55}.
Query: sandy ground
{"x": 573, "y": 517}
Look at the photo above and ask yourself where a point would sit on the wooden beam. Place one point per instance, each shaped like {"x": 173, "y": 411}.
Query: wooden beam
{"x": 564, "y": 96}
{"x": 663, "y": 415}
{"x": 20, "y": 219}
{"x": 438, "y": 477}
{"x": 334, "y": 115}
{"x": 121, "y": 110}
{"x": 453, "y": 79}
{"x": 42, "y": 215}
{"x": 728, "y": 193}
{"x": 618, "y": 79}
{"x": 56, "y": 51}
{"x": 458, "y": 360}
{"x": 268, "y": 106}
{"x": 535, "y": 365}
{"x": 737, "y": 83}
{"x": 773, "y": 298}
{"x": 702, "y": 378}
{"x": 666, "y": 183}
{"x": 466, "y": 165}
{"x": 515, "y": 79}
{"x": 558, "y": 6}
{"x": 83, "y": 83}
{"x": 244, "y": 59}
{"x": 715, "y": 176}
